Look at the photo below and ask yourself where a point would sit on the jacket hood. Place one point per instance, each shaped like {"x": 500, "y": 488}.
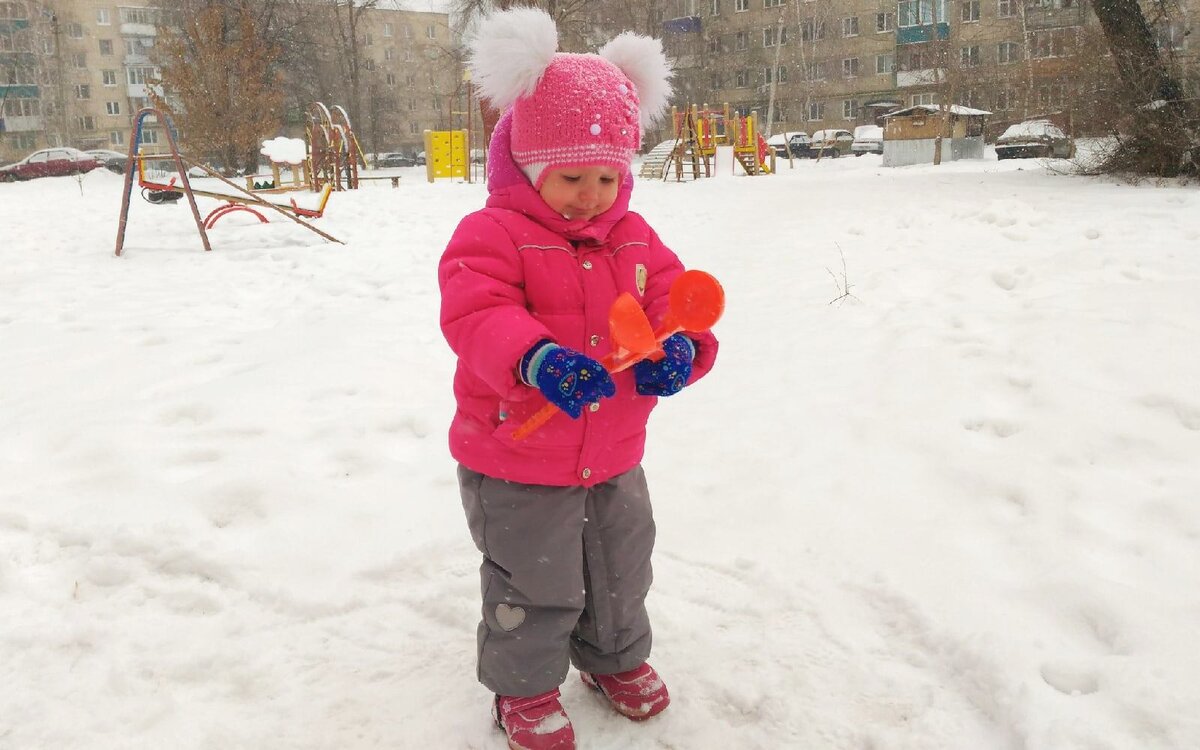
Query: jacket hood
{"x": 508, "y": 187}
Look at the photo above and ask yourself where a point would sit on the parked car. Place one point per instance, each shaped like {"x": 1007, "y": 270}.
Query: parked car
{"x": 868, "y": 139}
{"x": 113, "y": 161}
{"x": 394, "y": 160}
{"x": 831, "y": 143}
{"x": 1034, "y": 138}
{"x": 420, "y": 158}
{"x": 796, "y": 142}
{"x": 49, "y": 162}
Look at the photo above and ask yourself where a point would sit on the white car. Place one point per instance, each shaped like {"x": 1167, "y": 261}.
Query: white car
{"x": 831, "y": 143}
{"x": 868, "y": 139}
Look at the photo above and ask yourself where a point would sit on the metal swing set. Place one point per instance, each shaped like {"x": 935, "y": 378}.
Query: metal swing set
{"x": 331, "y": 163}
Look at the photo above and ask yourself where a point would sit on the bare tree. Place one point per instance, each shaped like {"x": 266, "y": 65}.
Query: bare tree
{"x": 1161, "y": 137}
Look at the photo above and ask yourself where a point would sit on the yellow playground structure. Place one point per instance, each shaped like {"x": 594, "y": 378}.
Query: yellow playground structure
{"x": 447, "y": 154}
{"x": 697, "y": 133}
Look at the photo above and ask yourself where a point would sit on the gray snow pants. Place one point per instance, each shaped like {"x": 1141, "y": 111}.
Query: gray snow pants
{"x": 564, "y": 577}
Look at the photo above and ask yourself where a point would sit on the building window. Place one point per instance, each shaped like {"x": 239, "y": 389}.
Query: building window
{"x": 431, "y": 32}
{"x": 75, "y": 30}
{"x": 970, "y": 98}
{"x": 112, "y": 108}
{"x": 146, "y": 16}
{"x": 969, "y": 57}
{"x": 812, "y": 30}
{"x": 716, "y": 82}
{"x": 389, "y": 53}
{"x": 715, "y": 10}
{"x": 885, "y": 22}
{"x": 816, "y": 111}
{"x": 714, "y": 45}
{"x": 109, "y": 77}
{"x": 920, "y": 12}
{"x": 83, "y": 91}
{"x": 106, "y": 46}
{"x": 369, "y": 64}
{"x": 79, "y": 60}
{"x": 780, "y": 113}
{"x": 387, "y": 31}
{"x": 815, "y": 71}
{"x": 141, "y": 75}
{"x": 923, "y": 99}
{"x": 116, "y": 137}
{"x": 414, "y": 128}
{"x": 849, "y": 109}
{"x": 85, "y": 122}
{"x": 970, "y": 11}
{"x": 368, "y": 40}
{"x": 412, "y": 105}
{"x": 138, "y": 46}
{"x": 1004, "y": 100}
{"x": 850, "y": 67}
{"x": 779, "y": 75}
{"x": 1006, "y": 8}
{"x": 771, "y": 33}
{"x": 850, "y": 26}
{"x": 741, "y": 79}
{"x": 741, "y": 5}
{"x": 773, "y": 3}
{"x": 21, "y": 108}
{"x": 741, "y": 40}
{"x": 885, "y": 64}
{"x": 391, "y": 79}
{"x": 1048, "y": 43}
{"x": 149, "y": 136}
{"x": 102, "y": 17}
{"x": 1050, "y": 97}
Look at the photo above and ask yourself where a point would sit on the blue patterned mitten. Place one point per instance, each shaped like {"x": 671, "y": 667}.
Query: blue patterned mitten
{"x": 566, "y": 377}
{"x": 667, "y": 376}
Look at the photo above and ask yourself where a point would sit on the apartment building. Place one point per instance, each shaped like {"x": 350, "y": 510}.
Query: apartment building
{"x": 73, "y": 72}
{"x": 412, "y": 66}
{"x": 839, "y": 63}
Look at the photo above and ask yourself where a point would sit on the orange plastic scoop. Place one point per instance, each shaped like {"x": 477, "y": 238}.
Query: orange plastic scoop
{"x": 696, "y": 302}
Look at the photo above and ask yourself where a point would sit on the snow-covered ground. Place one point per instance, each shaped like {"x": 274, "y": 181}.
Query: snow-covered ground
{"x": 959, "y": 509}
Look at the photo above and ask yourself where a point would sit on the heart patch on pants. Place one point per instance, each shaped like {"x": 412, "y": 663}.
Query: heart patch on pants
{"x": 509, "y": 618}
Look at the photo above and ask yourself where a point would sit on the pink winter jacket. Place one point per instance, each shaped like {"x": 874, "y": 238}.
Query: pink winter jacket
{"x": 516, "y": 272}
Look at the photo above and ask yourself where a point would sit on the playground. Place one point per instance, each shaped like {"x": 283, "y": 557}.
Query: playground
{"x": 953, "y": 418}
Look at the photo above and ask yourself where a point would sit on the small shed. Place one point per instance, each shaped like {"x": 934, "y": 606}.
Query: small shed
{"x": 909, "y": 134}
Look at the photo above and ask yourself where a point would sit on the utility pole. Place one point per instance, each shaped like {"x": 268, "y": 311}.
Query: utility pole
{"x": 60, "y": 102}
{"x": 774, "y": 75}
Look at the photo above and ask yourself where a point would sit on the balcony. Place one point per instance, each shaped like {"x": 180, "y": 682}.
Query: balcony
{"x": 20, "y": 124}
{"x": 926, "y": 77}
{"x": 138, "y": 29}
{"x": 918, "y": 34}
{"x": 1053, "y": 18}
{"x": 19, "y": 91}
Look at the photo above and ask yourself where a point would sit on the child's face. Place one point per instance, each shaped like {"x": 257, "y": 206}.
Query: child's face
{"x": 580, "y": 192}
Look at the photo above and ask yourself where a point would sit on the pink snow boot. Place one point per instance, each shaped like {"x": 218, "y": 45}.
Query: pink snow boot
{"x": 534, "y": 723}
{"x": 637, "y": 694}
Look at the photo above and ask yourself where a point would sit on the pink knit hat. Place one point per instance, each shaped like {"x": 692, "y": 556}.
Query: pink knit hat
{"x": 568, "y": 109}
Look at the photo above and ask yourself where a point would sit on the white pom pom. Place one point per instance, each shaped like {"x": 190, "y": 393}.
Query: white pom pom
{"x": 642, "y": 59}
{"x": 509, "y": 53}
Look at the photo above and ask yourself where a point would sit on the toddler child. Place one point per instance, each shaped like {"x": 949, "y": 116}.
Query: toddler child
{"x": 562, "y": 517}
